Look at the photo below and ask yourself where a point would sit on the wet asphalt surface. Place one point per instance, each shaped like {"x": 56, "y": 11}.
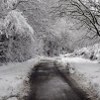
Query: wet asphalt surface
{"x": 46, "y": 83}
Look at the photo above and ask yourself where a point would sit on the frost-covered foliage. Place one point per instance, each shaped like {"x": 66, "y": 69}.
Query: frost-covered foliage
{"x": 18, "y": 36}
{"x": 15, "y": 21}
{"x": 11, "y": 3}
{"x": 51, "y": 46}
{"x": 6, "y": 6}
{"x": 90, "y": 52}
{"x": 55, "y": 45}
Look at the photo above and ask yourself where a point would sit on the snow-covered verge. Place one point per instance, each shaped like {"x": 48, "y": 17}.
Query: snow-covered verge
{"x": 13, "y": 79}
{"x": 86, "y": 73}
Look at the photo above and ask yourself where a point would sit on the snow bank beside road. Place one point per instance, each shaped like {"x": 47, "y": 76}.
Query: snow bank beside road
{"x": 91, "y": 73}
{"x": 86, "y": 73}
{"x": 12, "y": 78}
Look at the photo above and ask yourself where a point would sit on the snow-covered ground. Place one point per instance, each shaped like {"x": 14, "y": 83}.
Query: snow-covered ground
{"x": 86, "y": 73}
{"x": 13, "y": 77}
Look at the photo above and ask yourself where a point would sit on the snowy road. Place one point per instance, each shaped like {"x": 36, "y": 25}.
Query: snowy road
{"x": 14, "y": 80}
{"x": 47, "y": 83}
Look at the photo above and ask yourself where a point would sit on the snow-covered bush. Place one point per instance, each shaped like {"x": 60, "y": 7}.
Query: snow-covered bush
{"x": 90, "y": 52}
{"x": 19, "y": 37}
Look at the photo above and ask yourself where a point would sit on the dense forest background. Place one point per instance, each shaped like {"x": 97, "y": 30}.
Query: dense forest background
{"x": 41, "y": 27}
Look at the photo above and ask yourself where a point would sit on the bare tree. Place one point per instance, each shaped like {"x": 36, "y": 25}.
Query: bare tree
{"x": 85, "y": 12}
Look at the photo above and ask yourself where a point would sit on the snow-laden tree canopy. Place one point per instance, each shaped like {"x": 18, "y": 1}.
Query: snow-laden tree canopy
{"x": 17, "y": 45}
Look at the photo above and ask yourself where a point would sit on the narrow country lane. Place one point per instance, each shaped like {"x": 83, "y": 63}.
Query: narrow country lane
{"x": 46, "y": 83}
